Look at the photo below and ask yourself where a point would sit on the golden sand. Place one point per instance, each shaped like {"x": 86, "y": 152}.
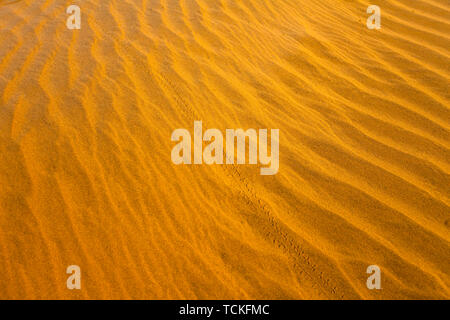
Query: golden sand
{"x": 86, "y": 176}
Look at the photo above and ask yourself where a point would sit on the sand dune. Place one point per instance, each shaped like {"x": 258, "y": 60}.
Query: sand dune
{"x": 86, "y": 176}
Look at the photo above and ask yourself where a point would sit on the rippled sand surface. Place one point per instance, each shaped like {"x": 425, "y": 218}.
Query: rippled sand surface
{"x": 86, "y": 176}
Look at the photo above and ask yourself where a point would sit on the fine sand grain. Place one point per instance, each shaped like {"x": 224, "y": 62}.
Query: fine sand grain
{"x": 86, "y": 176}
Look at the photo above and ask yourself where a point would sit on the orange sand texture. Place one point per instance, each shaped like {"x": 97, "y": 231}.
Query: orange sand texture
{"x": 86, "y": 176}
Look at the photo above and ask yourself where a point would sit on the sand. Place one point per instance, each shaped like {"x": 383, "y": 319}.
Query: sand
{"x": 86, "y": 176}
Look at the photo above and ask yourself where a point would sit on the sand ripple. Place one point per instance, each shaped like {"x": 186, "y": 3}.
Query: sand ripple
{"x": 85, "y": 170}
